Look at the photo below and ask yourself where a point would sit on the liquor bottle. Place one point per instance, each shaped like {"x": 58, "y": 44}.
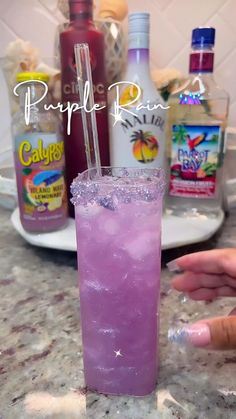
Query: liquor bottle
{"x": 39, "y": 158}
{"x": 81, "y": 29}
{"x": 197, "y": 118}
{"x": 137, "y": 133}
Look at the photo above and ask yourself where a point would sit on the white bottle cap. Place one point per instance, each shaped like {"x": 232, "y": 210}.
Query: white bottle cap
{"x": 139, "y": 27}
{"x": 139, "y": 23}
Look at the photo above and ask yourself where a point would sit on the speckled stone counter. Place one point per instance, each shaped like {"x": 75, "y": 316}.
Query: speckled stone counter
{"x": 41, "y": 371}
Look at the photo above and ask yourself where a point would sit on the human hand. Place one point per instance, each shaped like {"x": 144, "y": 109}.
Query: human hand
{"x": 206, "y": 276}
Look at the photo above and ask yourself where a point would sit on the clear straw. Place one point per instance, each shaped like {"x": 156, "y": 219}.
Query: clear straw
{"x": 84, "y": 76}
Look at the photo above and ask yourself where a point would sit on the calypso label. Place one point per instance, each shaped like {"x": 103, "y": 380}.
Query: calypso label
{"x": 28, "y": 154}
{"x": 40, "y": 175}
{"x": 194, "y": 160}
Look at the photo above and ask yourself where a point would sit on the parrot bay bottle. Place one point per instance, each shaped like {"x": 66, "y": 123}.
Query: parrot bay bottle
{"x": 39, "y": 158}
{"x": 197, "y": 118}
{"x": 137, "y": 115}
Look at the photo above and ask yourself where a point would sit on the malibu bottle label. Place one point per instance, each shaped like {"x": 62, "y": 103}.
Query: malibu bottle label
{"x": 138, "y": 140}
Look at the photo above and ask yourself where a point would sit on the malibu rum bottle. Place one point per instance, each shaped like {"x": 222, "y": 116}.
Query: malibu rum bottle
{"x": 137, "y": 115}
{"x": 196, "y": 124}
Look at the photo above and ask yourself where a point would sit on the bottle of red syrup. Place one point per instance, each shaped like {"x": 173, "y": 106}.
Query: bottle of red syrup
{"x": 81, "y": 29}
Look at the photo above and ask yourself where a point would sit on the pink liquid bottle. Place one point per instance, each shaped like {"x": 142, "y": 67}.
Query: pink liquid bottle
{"x": 81, "y": 29}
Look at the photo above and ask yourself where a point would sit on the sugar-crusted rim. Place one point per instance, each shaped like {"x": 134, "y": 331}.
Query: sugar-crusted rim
{"x": 87, "y": 185}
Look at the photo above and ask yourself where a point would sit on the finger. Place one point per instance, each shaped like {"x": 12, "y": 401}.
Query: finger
{"x": 203, "y": 294}
{"x": 223, "y": 332}
{"x": 217, "y": 333}
{"x": 190, "y": 281}
{"x": 213, "y": 261}
{"x": 206, "y": 294}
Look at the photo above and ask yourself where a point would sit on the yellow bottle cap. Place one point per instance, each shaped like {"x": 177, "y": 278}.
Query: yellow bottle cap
{"x": 32, "y": 76}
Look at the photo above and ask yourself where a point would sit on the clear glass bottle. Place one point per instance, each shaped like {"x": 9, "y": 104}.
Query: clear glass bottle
{"x": 137, "y": 139}
{"x": 39, "y": 157}
{"x": 196, "y": 124}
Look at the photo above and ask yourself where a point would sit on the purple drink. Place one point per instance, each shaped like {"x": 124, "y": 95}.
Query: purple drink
{"x": 118, "y": 223}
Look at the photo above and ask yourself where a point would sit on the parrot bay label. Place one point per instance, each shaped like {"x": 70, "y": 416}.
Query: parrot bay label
{"x": 40, "y": 175}
{"x": 194, "y": 160}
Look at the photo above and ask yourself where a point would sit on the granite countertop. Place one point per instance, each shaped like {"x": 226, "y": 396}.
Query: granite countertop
{"x": 41, "y": 372}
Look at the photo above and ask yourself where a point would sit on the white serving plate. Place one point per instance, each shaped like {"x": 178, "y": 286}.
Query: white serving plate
{"x": 176, "y": 232}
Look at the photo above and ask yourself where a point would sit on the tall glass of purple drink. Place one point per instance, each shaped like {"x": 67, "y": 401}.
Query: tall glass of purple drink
{"x": 118, "y": 225}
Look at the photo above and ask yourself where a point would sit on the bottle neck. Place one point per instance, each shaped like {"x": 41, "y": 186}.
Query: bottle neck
{"x": 201, "y": 60}
{"x": 31, "y": 93}
{"x": 81, "y": 11}
{"x": 138, "y": 54}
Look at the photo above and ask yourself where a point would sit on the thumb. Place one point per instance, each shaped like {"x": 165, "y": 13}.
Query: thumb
{"x": 217, "y": 333}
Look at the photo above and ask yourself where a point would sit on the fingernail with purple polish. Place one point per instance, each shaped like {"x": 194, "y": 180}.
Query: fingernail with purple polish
{"x": 173, "y": 267}
{"x": 197, "y": 335}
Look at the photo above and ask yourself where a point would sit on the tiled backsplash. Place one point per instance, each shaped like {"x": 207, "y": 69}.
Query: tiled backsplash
{"x": 172, "y": 21}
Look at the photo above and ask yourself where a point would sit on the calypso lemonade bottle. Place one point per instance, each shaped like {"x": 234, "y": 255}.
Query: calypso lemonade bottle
{"x": 39, "y": 158}
{"x": 137, "y": 127}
